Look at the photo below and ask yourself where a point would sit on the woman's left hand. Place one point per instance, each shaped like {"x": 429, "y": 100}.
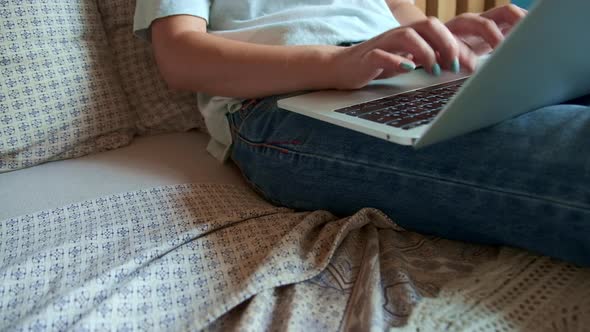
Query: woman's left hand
{"x": 478, "y": 34}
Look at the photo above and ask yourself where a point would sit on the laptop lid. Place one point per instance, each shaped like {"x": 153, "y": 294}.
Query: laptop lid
{"x": 543, "y": 62}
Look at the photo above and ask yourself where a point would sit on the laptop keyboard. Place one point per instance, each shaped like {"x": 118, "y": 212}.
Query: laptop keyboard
{"x": 407, "y": 110}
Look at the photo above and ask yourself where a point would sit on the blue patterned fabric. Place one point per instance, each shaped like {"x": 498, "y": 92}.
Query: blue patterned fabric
{"x": 188, "y": 257}
{"x": 159, "y": 259}
{"x": 59, "y": 97}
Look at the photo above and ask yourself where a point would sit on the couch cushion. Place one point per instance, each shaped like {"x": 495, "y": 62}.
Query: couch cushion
{"x": 59, "y": 97}
{"x": 149, "y": 161}
{"x": 159, "y": 109}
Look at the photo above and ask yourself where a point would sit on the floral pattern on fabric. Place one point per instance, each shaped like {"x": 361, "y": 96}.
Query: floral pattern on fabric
{"x": 59, "y": 97}
{"x": 217, "y": 257}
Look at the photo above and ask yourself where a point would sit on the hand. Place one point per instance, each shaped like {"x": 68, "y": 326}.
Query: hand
{"x": 478, "y": 34}
{"x": 429, "y": 43}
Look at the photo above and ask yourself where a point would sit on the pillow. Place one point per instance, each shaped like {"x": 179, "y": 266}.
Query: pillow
{"x": 158, "y": 108}
{"x": 59, "y": 96}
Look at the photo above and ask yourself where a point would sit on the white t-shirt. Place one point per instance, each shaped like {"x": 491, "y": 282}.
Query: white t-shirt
{"x": 270, "y": 22}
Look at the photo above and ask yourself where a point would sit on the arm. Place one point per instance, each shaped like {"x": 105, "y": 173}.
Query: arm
{"x": 405, "y": 12}
{"x": 191, "y": 59}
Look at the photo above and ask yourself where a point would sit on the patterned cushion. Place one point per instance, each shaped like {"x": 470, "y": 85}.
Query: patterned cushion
{"x": 59, "y": 97}
{"x": 159, "y": 109}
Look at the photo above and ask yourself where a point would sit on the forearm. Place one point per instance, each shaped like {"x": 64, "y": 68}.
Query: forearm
{"x": 198, "y": 61}
{"x": 405, "y": 12}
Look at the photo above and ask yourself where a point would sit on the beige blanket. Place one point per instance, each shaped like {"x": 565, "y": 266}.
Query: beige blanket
{"x": 219, "y": 258}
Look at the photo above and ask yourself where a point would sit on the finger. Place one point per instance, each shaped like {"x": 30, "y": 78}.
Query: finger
{"x": 407, "y": 40}
{"x": 509, "y": 14}
{"x": 406, "y": 55}
{"x": 388, "y": 64}
{"x": 468, "y": 58}
{"x": 441, "y": 40}
{"x": 477, "y": 45}
{"x": 475, "y": 25}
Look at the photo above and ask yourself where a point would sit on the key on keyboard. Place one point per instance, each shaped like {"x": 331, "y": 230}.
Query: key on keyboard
{"x": 407, "y": 110}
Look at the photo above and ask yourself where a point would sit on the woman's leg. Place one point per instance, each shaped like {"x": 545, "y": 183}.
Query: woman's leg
{"x": 524, "y": 182}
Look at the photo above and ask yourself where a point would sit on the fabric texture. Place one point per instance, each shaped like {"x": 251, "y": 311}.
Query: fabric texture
{"x": 218, "y": 257}
{"x": 158, "y": 108}
{"x": 271, "y": 22}
{"x": 516, "y": 292}
{"x": 523, "y": 182}
{"x": 148, "y": 161}
{"x": 59, "y": 97}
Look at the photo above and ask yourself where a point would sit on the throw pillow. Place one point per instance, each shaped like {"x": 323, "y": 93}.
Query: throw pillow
{"x": 59, "y": 95}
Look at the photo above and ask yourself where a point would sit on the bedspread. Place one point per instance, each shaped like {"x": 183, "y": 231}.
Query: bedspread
{"x": 218, "y": 257}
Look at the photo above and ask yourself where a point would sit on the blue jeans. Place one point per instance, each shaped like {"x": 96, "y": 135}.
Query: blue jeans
{"x": 523, "y": 183}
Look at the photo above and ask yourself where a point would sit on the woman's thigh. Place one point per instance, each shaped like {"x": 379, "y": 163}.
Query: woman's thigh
{"x": 524, "y": 182}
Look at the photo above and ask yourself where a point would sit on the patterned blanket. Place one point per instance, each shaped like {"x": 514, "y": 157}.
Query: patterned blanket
{"x": 217, "y": 257}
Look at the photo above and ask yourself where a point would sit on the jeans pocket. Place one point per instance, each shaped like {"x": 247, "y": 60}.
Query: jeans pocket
{"x": 237, "y": 118}
{"x": 248, "y": 106}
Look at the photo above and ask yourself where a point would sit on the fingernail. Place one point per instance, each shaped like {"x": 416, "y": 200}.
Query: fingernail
{"x": 436, "y": 70}
{"x": 407, "y": 66}
{"x": 456, "y": 66}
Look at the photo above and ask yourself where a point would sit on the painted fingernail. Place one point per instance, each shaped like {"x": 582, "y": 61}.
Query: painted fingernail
{"x": 436, "y": 70}
{"x": 456, "y": 66}
{"x": 407, "y": 66}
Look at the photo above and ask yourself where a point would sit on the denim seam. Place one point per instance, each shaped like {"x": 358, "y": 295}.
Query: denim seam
{"x": 398, "y": 171}
{"x": 235, "y": 130}
{"x": 246, "y": 110}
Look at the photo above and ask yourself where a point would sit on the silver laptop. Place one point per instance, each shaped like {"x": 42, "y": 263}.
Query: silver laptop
{"x": 544, "y": 61}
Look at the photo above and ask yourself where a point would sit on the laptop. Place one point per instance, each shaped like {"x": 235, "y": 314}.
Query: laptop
{"x": 544, "y": 61}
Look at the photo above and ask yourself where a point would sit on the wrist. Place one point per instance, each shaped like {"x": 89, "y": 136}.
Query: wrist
{"x": 324, "y": 69}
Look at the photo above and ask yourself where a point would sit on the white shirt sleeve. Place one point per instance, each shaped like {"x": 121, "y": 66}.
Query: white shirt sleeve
{"x": 147, "y": 11}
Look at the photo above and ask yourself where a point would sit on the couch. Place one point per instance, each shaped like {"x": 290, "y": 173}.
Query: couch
{"x": 114, "y": 217}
